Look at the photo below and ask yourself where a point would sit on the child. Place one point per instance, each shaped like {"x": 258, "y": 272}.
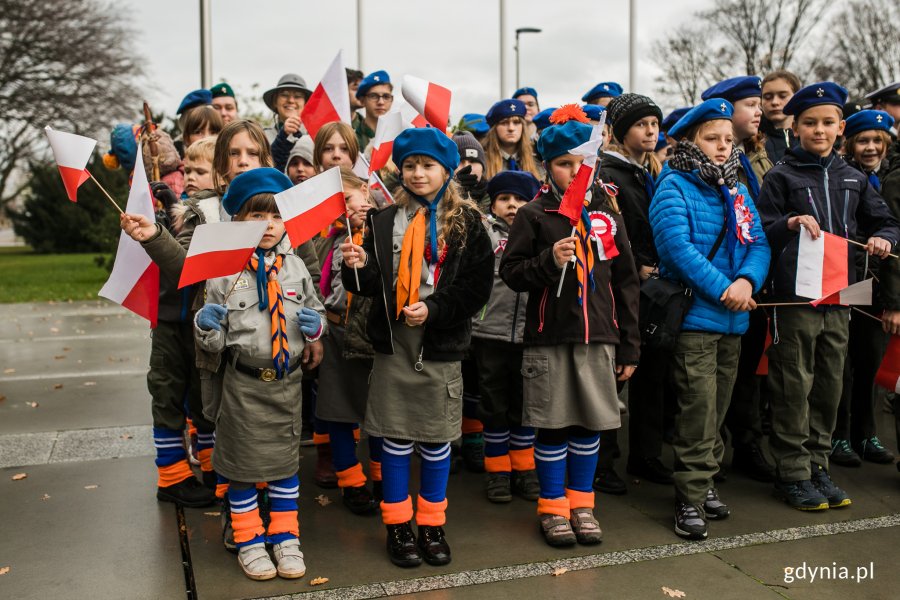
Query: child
{"x": 470, "y": 172}
{"x": 814, "y": 189}
{"x": 602, "y": 93}
{"x": 198, "y": 159}
{"x": 203, "y": 121}
{"x": 300, "y": 161}
{"x": 335, "y": 146}
{"x": 497, "y": 347}
{"x": 709, "y": 238}
{"x": 777, "y": 89}
{"x": 427, "y": 259}
{"x": 377, "y": 95}
{"x": 286, "y": 100}
{"x": 251, "y": 330}
{"x": 576, "y": 345}
{"x": 506, "y": 147}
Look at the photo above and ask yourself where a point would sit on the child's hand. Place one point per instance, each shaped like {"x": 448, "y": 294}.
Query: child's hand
{"x": 564, "y": 251}
{"x": 138, "y": 227}
{"x": 292, "y": 125}
{"x": 210, "y": 317}
{"x": 312, "y": 355}
{"x": 647, "y": 271}
{"x": 353, "y": 255}
{"x": 310, "y": 321}
{"x": 739, "y": 296}
{"x": 890, "y": 322}
{"x": 624, "y": 372}
{"x": 879, "y": 247}
{"x": 416, "y": 314}
{"x": 808, "y": 222}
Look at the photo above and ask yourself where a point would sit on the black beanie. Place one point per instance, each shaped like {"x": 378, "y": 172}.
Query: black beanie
{"x": 469, "y": 148}
{"x": 627, "y": 109}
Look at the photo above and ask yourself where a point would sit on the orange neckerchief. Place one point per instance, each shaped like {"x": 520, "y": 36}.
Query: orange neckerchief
{"x": 409, "y": 273}
{"x": 584, "y": 259}
{"x": 281, "y": 355}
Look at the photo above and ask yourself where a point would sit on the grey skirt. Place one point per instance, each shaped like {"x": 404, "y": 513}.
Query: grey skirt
{"x": 406, "y": 404}
{"x": 343, "y": 383}
{"x": 570, "y": 384}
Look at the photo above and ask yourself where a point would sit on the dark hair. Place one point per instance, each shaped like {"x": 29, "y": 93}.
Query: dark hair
{"x": 202, "y": 117}
{"x": 264, "y": 202}
{"x": 791, "y": 79}
{"x": 353, "y": 76}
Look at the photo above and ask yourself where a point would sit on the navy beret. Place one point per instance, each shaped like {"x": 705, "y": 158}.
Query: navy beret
{"x": 195, "y": 98}
{"x": 673, "y": 117}
{"x": 371, "y": 80}
{"x": 426, "y": 141}
{"x": 868, "y": 120}
{"x": 504, "y": 110}
{"x": 519, "y": 183}
{"x": 475, "y": 123}
{"x": 606, "y": 89}
{"x": 661, "y": 143}
{"x": 710, "y": 110}
{"x": 889, "y": 93}
{"x": 525, "y": 91}
{"x": 593, "y": 111}
{"x": 250, "y": 183}
{"x": 557, "y": 140}
{"x": 817, "y": 94}
{"x": 734, "y": 89}
{"x": 542, "y": 119}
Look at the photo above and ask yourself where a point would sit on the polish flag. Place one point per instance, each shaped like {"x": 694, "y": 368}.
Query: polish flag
{"x": 858, "y": 293}
{"x": 822, "y": 265}
{"x": 888, "y": 375}
{"x": 134, "y": 281}
{"x": 411, "y": 117}
{"x": 390, "y": 125}
{"x": 575, "y": 195}
{"x": 330, "y": 101}
{"x": 430, "y": 99}
{"x": 220, "y": 249}
{"x": 72, "y": 153}
{"x": 311, "y": 205}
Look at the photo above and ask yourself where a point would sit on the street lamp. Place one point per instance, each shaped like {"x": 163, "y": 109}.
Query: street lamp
{"x": 518, "y": 31}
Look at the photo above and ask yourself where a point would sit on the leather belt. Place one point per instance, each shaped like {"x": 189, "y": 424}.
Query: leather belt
{"x": 333, "y": 317}
{"x": 262, "y": 373}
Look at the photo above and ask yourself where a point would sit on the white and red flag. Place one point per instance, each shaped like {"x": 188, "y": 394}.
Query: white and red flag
{"x": 220, "y": 249}
{"x": 72, "y": 153}
{"x": 330, "y": 100}
{"x": 389, "y": 126}
{"x": 431, "y": 100}
{"x": 822, "y": 265}
{"x": 859, "y": 293}
{"x": 134, "y": 281}
{"x": 888, "y": 375}
{"x": 573, "y": 199}
{"x": 311, "y": 205}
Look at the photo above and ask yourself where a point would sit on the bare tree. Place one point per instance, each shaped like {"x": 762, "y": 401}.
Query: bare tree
{"x": 688, "y": 68}
{"x": 64, "y": 63}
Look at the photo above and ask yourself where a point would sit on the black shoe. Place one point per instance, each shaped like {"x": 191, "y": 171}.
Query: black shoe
{"x": 401, "y": 545}
{"x": 498, "y": 488}
{"x": 690, "y": 521}
{"x": 837, "y": 498}
{"x": 873, "y": 451}
{"x": 714, "y": 508}
{"x": 433, "y": 546}
{"x": 210, "y": 480}
{"x": 189, "y": 493}
{"x": 378, "y": 491}
{"x": 801, "y": 495}
{"x": 842, "y": 454}
{"x": 609, "y": 482}
{"x": 473, "y": 452}
{"x": 650, "y": 469}
{"x": 751, "y": 461}
{"x": 525, "y": 485}
{"x": 358, "y": 500}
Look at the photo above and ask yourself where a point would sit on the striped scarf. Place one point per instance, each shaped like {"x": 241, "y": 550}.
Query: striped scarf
{"x": 584, "y": 257}
{"x": 269, "y": 291}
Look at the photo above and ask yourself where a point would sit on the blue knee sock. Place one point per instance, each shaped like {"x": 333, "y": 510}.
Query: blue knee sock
{"x": 395, "y": 469}
{"x": 283, "y": 494}
{"x": 435, "y": 471}
{"x": 521, "y": 438}
{"x": 169, "y": 446}
{"x": 582, "y": 462}
{"x": 550, "y": 462}
{"x": 496, "y": 442}
{"x": 343, "y": 445}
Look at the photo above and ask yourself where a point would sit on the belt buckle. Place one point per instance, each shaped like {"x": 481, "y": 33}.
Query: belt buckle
{"x": 268, "y": 375}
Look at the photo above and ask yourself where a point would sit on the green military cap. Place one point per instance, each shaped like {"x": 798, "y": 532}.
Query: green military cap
{"x": 221, "y": 89}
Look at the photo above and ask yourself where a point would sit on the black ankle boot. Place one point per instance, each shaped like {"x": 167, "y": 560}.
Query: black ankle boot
{"x": 433, "y": 546}
{"x": 358, "y": 500}
{"x": 189, "y": 493}
{"x": 401, "y": 545}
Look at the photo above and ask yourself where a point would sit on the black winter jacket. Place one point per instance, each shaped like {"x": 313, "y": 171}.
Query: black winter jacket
{"x": 778, "y": 141}
{"x": 889, "y": 292}
{"x": 634, "y": 202}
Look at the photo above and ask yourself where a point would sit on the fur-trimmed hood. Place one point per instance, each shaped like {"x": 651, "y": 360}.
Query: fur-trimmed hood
{"x": 205, "y": 205}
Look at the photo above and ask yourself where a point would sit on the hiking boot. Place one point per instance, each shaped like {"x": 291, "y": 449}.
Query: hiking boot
{"x": 473, "y": 452}
{"x": 433, "y": 546}
{"x": 586, "y": 527}
{"x": 872, "y": 451}
{"x": 557, "y": 530}
{"x": 256, "y": 563}
{"x": 842, "y": 454}
{"x": 499, "y": 489}
{"x": 801, "y": 495}
{"x": 525, "y": 484}
{"x": 837, "y": 497}
{"x": 401, "y": 545}
{"x": 289, "y": 559}
{"x": 714, "y": 508}
{"x": 650, "y": 469}
{"x": 189, "y": 493}
{"x": 609, "y": 482}
{"x": 751, "y": 461}
{"x": 227, "y": 529}
{"x": 690, "y": 521}
{"x": 358, "y": 500}
{"x": 324, "y": 474}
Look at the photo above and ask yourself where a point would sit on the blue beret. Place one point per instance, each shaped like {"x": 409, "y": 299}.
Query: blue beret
{"x": 195, "y": 98}
{"x": 525, "y": 91}
{"x": 519, "y": 183}
{"x": 426, "y": 141}
{"x": 673, "y": 117}
{"x": 661, "y": 143}
{"x": 593, "y": 111}
{"x": 504, "y": 110}
{"x": 475, "y": 123}
{"x": 606, "y": 89}
{"x": 542, "y": 119}
{"x": 557, "y": 140}
{"x": 710, "y": 110}
{"x": 868, "y": 120}
{"x": 371, "y": 80}
{"x": 734, "y": 89}
{"x": 817, "y": 94}
{"x": 250, "y": 183}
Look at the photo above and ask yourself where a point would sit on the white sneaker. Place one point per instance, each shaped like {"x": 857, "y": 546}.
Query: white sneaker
{"x": 289, "y": 559}
{"x": 256, "y": 563}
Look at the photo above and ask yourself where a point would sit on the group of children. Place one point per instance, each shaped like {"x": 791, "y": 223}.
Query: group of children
{"x": 463, "y": 301}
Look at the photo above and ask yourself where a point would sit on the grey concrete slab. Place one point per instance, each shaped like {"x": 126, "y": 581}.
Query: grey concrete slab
{"x": 26, "y": 449}
{"x": 96, "y": 444}
{"x": 112, "y": 541}
{"x": 63, "y": 319}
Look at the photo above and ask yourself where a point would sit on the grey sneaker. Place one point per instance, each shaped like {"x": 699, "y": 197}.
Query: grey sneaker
{"x": 525, "y": 484}
{"x": 289, "y": 559}
{"x": 690, "y": 521}
{"x": 713, "y": 507}
{"x": 498, "y": 488}
{"x": 256, "y": 563}
{"x": 557, "y": 530}
{"x": 586, "y": 527}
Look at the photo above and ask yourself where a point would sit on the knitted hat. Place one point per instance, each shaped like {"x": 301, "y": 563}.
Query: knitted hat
{"x": 469, "y": 148}
{"x": 371, "y": 80}
{"x": 519, "y": 183}
{"x": 734, "y": 89}
{"x": 195, "y": 98}
{"x": 426, "y": 141}
{"x": 606, "y": 89}
{"x": 569, "y": 130}
{"x": 627, "y": 109}
{"x": 302, "y": 148}
{"x": 868, "y": 120}
{"x": 250, "y": 183}
{"x": 290, "y": 81}
{"x": 816, "y": 94}
{"x": 221, "y": 90}
{"x": 504, "y": 110}
{"x": 711, "y": 110}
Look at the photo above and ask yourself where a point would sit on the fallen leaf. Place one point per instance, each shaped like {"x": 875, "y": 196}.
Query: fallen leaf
{"x": 59, "y": 357}
{"x": 33, "y": 404}
{"x": 2, "y": 397}
{"x": 89, "y": 383}
{"x": 91, "y": 487}
{"x": 45, "y": 497}
{"x": 673, "y": 593}
{"x": 318, "y": 581}
{"x": 57, "y": 386}
{"x": 4, "y": 570}
{"x": 19, "y": 476}
{"x": 323, "y": 500}
{"x": 127, "y": 436}
{"x": 8, "y": 371}
{"x": 66, "y": 349}
{"x": 54, "y": 330}
{"x": 559, "y": 571}
{"x": 213, "y": 514}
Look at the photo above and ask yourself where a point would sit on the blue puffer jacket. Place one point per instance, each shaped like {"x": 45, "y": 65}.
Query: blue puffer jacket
{"x": 686, "y": 215}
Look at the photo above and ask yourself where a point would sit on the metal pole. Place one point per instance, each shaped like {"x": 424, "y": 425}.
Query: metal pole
{"x": 502, "y": 48}
{"x": 359, "y": 36}
{"x": 632, "y": 43}
{"x": 205, "y": 45}
{"x": 517, "y": 59}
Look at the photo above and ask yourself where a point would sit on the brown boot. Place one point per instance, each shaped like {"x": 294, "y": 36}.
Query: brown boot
{"x": 325, "y": 476}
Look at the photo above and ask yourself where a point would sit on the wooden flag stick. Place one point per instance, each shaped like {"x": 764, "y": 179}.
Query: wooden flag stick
{"x": 861, "y": 245}
{"x": 870, "y": 315}
{"x": 105, "y": 193}
{"x": 573, "y": 259}
{"x": 784, "y": 304}
{"x": 228, "y": 295}
{"x": 356, "y": 264}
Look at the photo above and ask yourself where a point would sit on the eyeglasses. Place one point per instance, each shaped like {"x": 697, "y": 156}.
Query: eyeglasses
{"x": 376, "y": 97}
{"x": 291, "y": 95}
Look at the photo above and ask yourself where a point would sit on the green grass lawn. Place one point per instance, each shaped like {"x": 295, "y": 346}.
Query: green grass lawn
{"x": 29, "y": 277}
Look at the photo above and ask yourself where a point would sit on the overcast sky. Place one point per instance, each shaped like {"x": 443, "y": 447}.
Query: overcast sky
{"x": 451, "y": 42}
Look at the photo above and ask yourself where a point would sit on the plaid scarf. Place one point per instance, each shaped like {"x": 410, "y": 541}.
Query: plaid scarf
{"x": 689, "y": 157}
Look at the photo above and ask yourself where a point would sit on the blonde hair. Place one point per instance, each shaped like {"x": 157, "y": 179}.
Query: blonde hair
{"x": 353, "y": 181}
{"x": 220, "y": 164}
{"x": 494, "y": 160}
{"x": 201, "y": 150}
{"x": 850, "y": 143}
{"x": 325, "y": 133}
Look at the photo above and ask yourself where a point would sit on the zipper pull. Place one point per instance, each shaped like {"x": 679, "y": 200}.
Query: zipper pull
{"x": 420, "y": 366}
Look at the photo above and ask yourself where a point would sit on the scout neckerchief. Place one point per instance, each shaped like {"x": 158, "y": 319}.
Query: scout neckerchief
{"x": 269, "y": 291}
{"x": 752, "y": 181}
{"x": 584, "y": 258}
